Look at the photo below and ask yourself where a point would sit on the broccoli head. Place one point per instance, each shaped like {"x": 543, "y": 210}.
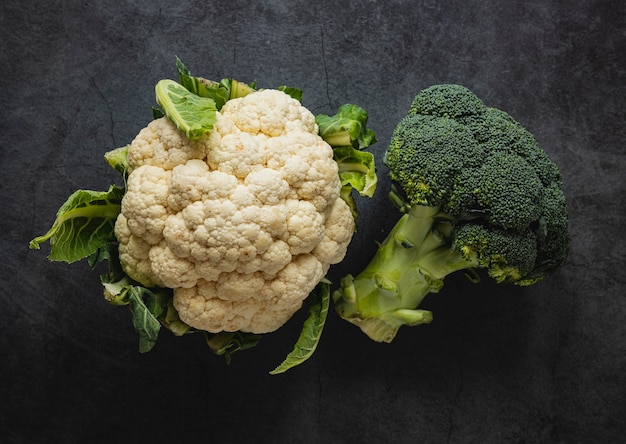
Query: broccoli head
{"x": 475, "y": 191}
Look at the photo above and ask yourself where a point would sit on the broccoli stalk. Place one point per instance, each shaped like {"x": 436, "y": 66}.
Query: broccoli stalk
{"x": 411, "y": 263}
{"x": 476, "y": 192}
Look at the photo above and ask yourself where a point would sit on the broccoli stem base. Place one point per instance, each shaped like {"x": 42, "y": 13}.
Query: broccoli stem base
{"x": 411, "y": 263}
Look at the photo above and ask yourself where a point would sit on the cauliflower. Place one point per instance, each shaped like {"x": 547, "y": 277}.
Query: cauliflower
{"x": 236, "y": 202}
{"x": 243, "y": 222}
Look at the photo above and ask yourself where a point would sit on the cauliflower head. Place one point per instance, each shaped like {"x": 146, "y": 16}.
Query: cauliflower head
{"x": 241, "y": 223}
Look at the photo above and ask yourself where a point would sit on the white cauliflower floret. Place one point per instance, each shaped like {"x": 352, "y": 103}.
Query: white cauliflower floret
{"x": 249, "y": 302}
{"x": 161, "y": 144}
{"x": 243, "y": 223}
{"x": 238, "y": 154}
{"x": 337, "y": 235}
{"x": 145, "y": 202}
{"x": 193, "y": 182}
{"x": 174, "y": 271}
{"x": 134, "y": 253}
{"x": 274, "y": 114}
{"x": 305, "y": 226}
{"x": 202, "y": 307}
{"x": 304, "y": 161}
{"x": 267, "y": 185}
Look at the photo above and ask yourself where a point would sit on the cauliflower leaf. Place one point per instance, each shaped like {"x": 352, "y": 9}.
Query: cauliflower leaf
{"x": 311, "y": 329}
{"x": 347, "y": 133}
{"x": 83, "y": 224}
{"x": 192, "y": 114}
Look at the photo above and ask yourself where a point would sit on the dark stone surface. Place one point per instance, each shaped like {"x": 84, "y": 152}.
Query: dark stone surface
{"x": 499, "y": 364}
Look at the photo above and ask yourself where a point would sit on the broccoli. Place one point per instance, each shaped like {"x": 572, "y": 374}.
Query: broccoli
{"x": 476, "y": 192}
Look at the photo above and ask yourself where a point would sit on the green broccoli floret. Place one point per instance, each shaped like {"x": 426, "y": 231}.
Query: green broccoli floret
{"x": 477, "y": 192}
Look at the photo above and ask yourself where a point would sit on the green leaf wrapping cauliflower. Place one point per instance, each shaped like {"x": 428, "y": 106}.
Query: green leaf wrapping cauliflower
{"x": 242, "y": 222}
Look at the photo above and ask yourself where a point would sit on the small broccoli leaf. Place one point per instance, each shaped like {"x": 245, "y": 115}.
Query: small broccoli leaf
{"x": 311, "y": 330}
{"x": 357, "y": 169}
{"x": 84, "y": 223}
{"x": 146, "y": 306}
{"x": 347, "y": 127}
{"x": 192, "y": 114}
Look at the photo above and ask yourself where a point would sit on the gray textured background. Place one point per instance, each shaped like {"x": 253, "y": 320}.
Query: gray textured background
{"x": 498, "y": 365}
